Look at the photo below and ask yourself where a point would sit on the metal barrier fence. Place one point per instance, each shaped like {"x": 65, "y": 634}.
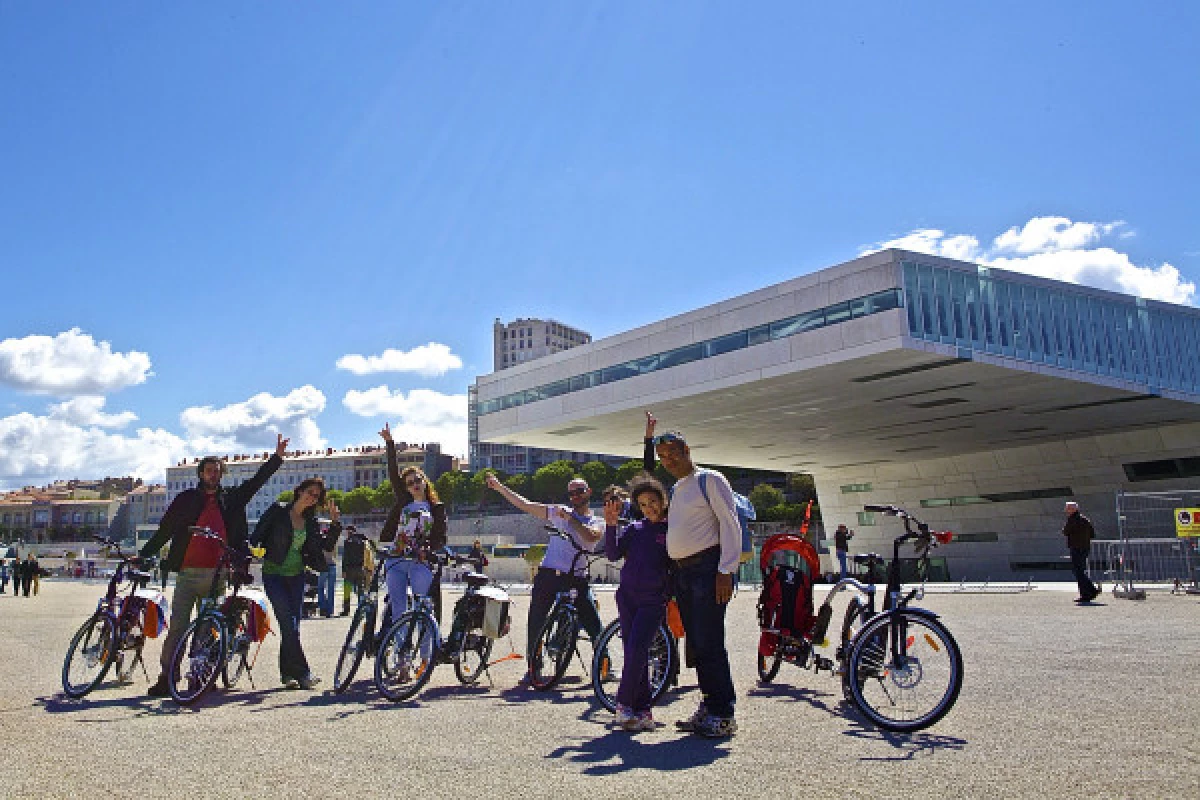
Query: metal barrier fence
{"x": 1148, "y": 551}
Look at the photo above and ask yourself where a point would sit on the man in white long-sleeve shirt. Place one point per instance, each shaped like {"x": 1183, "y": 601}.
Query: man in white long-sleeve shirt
{"x": 704, "y": 540}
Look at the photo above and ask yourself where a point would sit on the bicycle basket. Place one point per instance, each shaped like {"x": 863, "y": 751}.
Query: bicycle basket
{"x": 496, "y": 620}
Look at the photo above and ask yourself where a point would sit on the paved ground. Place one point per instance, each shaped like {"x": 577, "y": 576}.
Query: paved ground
{"x": 1059, "y": 701}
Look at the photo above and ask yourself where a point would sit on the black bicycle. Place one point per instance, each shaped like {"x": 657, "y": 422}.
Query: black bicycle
{"x": 608, "y": 662}
{"x": 218, "y": 640}
{"x": 116, "y": 631}
{"x": 558, "y": 640}
{"x": 900, "y": 666}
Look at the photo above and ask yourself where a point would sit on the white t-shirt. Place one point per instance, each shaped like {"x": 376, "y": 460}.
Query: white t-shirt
{"x": 416, "y": 521}
{"x": 560, "y": 553}
{"x": 695, "y": 524}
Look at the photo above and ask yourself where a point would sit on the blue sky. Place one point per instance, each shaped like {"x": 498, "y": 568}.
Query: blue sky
{"x": 204, "y": 207}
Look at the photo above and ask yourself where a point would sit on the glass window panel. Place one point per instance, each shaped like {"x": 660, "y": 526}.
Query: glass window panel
{"x": 972, "y": 310}
{"x": 758, "y": 335}
{"x": 925, "y": 279}
{"x": 958, "y": 310}
{"x": 837, "y": 313}
{"x": 941, "y": 286}
{"x": 1004, "y": 332}
{"x": 860, "y": 307}
{"x": 556, "y": 388}
{"x": 885, "y": 300}
{"x": 617, "y": 372}
{"x": 912, "y": 299}
{"x": 681, "y": 355}
{"x": 726, "y": 344}
{"x": 809, "y": 320}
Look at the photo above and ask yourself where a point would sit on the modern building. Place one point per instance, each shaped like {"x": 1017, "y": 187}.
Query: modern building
{"x": 344, "y": 470}
{"x": 518, "y": 342}
{"x": 978, "y": 398}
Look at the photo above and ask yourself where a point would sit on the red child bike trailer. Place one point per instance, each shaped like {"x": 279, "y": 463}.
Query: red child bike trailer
{"x": 789, "y": 567}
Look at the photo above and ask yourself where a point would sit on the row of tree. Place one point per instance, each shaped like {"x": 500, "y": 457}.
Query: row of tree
{"x": 463, "y": 490}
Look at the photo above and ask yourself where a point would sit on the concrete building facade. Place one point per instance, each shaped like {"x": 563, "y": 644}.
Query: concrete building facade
{"x": 978, "y": 398}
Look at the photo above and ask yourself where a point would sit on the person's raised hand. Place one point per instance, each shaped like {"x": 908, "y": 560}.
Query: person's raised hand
{"x": 280, "y": 444}
{"x": 334, "y": 513}
{"x": 386, "y": 433}
{"x": 612, "y": 510}
{"x": 650, "y": 423}
{"x": 492, "y": 481}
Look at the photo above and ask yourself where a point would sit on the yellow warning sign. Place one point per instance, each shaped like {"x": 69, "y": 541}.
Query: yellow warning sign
{"x": 1187, "y": 522}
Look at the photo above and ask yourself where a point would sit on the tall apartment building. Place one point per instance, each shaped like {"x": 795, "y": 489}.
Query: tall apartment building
{"x": 526, "y": 339}
{"x": 515, "y": 343}
{"x": 340, "y": 469}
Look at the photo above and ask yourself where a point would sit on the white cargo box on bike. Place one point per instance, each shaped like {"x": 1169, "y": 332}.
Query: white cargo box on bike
{"x": 495, "y": 611}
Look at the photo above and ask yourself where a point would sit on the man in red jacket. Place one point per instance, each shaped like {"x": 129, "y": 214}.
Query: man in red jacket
{"x": 221, "y": 510}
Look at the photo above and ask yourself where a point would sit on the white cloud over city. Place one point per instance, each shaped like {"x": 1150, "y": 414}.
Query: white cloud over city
{"x": 252, "y": 425}
{"x": 420, "y": 416}
{"x": 1060, "y": 249}
{"x": 88, "y": 410}
{"x": 429, "y": 360}
{"x": 70, "y": 363}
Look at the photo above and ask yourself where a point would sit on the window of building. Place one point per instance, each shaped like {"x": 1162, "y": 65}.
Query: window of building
{"x": 851, "y": 488}
{"x": 866, "y": 518}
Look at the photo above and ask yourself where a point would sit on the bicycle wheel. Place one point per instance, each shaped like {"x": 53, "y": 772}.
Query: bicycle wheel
{"x": 473, "y": 655}
{"x": 856, "y": 617}
{"x": 199, "y": 656}
{"x": 768, "y": 666}
{"x": 352, "y": 649}
{"x": 237, "y": 654}
{"x": 553, "y": 649}
{"x": 909, "y": 671}
{"x": 608, "y": 663}
{"x": 404, "y": 662}
{"x": 89, "y": 655}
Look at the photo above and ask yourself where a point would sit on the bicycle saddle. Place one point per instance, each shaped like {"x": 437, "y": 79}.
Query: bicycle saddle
{"x": 475, "y": 580}
{"x": 867, "y": 558}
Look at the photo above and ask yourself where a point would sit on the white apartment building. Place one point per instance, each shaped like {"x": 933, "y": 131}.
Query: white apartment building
{"x": 526, "y": 339}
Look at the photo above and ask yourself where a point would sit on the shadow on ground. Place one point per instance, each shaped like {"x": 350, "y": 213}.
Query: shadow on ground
{"x": 617, "y": 751}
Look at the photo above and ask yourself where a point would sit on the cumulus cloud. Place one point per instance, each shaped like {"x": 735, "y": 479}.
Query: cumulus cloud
{"x": 1060, "y": 249}
{"x": 88, "y": 410}
{"x": 252, "y": 425}
{"x": 35, "y": 450}
{"x": 71, "y": 363}
{"x": 430, "y": 360}
{"x": 421, "y": 415}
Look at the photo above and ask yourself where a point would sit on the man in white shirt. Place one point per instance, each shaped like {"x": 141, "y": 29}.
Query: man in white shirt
{"x": 561, "y": 569}
{"x": 704, "y": 540}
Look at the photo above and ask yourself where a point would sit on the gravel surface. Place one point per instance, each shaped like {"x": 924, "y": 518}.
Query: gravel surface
{"x": 1059, "y": 701}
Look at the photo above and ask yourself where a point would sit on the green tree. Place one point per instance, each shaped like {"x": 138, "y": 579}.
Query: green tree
{"x": 336, "y": 496}
{"x": 598, "y": 475}
{"x": 360, "y": 500}
{"x": 627, "y": 472}
{"x": 519, "y": 483}
{"x": 764, "y": 496}
{"x": 286, "y": 497}
{"x": 802, "y": 487}
{"x": 449, "y": 487}
{"x": 550, "y": 482}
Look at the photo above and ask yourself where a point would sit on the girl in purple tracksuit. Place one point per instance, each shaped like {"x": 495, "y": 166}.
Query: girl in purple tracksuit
{"x": 642, "y": 596}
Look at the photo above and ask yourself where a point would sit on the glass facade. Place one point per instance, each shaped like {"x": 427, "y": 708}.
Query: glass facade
{"x": 809, "y": 320}
{"x": 1125, "y": 339}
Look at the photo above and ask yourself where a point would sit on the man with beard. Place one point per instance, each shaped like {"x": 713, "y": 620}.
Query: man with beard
{"x": 223, "y": 511}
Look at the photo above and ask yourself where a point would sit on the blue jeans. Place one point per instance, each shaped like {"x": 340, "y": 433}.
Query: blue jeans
{"x": 704, "y": 625}
{"x": 842, "y": 560}
{"x": 326, "y": 586}
{"x": 286, "y": 593}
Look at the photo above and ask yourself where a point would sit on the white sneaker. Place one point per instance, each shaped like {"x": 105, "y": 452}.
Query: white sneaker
{"x": 695, "y": 719}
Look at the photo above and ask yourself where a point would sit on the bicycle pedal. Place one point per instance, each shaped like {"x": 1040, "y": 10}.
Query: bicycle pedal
{"x": 823, "y": 663}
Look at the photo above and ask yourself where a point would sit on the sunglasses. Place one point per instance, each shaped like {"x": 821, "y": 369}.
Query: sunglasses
{"x": 415, "y": 481}
{"x": 576, "y": 491}
{"x": 668, "y": 438}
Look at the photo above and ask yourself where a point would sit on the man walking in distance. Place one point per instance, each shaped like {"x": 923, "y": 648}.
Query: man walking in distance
{"x": 1079, "y": 532}
{"x": 704, "y": 539}
{"x": 841, "y": 543}
{"x": 554, "y": 575}
{"x": 221, "y": 510}
{"x": 354, "y": 571}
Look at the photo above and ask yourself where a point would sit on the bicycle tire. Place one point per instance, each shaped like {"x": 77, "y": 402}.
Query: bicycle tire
{"x": 92, "y": 652}
{"x": 553, "y": 649}
{"x": 353, "y": 649}
{"x": 407, "y": 655}
{"x": 606, "y": 677}
{"x": 473, "y": 655}
{"x": 853, "y": 622}
{"x": 203, "y": 646}
{"x": 236, "y": 663}
{"x": 887, "y": 689}
{"x": 768, "y": 666}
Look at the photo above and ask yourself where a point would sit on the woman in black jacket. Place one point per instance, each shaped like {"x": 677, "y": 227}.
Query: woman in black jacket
{"x": 292, "y": 538}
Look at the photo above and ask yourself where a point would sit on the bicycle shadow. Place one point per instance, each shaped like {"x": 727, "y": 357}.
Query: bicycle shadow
{"x": 909, "y": 745}
{"x": 143, "y": 705}
{"x": 671, "y": 755}
{"x": 570, "y": 689}
{"x": 799, "y": 694}
{"x": 361, "y": 697}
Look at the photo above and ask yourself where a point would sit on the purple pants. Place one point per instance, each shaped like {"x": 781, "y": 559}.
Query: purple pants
{"x": 640, "y": 618}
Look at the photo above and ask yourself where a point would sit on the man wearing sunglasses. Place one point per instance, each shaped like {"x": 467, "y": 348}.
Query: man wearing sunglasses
{"x": 704, "y": 540}
{"x": 555, "y": 573}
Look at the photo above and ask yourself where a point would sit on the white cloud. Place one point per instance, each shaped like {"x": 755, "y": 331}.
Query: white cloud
{"x": 37, "y": 450}
{"x": 430, "y": 360}
{"x": 252, "y": 425}
{"x": 420, "y": 416}
{"x": 1060, "y": 249}
{"x": 88, "y": 410}
{"x": 70, "y": 363}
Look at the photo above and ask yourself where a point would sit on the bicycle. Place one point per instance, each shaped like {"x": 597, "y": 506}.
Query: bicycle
{"x": 900, "y": 666}
{"x": 218, "y": 640}
{"x": 413, "y": 644}
{"x": 558, "y": 640}
{"x": 116, "y": 631}
{"x": 609, "y": 657}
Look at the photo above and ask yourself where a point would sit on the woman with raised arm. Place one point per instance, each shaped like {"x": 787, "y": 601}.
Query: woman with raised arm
{"x": 292, "y": 537}
{"x": 417, "y": 524}
{"x": 642, "y": 595}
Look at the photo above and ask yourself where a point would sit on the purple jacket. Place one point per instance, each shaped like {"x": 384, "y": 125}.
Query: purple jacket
{"x": 643, "y": 545}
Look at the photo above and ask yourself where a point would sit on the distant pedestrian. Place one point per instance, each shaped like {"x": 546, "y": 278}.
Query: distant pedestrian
{"x": 327, "y": 581}
{"x": 354, "y": 566}
{"x": 1079, "y": 532}
{"x": 3, "y": 574}
{"x": 28, "y": 571}
{"x": 476, "y": 557}
{"x": 841, "y": 543}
